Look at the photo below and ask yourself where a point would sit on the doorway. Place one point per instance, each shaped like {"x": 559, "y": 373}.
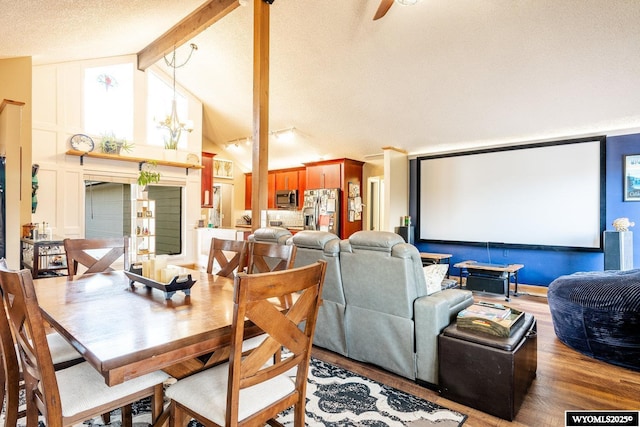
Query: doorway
{"x": 220, "y": 215}
{"x": 376, "y": 195}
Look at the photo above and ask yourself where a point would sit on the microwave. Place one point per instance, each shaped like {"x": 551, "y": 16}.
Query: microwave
{"x": 287, "y": 199}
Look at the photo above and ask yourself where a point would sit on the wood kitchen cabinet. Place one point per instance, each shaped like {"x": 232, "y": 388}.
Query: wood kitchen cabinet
{"x": 286, "y": 179}
{"x": 281, "y": 179}
{"x": 247, "y": 191}
{"x": 271, "y": 189}
{"x": 206, "y": 180}
{"x": 324, "y": 175}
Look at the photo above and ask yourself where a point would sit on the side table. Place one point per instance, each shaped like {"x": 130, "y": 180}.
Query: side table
{"x": 477, "y": 270}
{"x": 44, "y": 257}
{"x": 487, "y": 372}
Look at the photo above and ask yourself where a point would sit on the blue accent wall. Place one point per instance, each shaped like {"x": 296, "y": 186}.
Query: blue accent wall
{"x": 541, "y": 267}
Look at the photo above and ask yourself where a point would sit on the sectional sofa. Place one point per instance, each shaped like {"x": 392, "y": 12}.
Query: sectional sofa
{"x": 375, "y": 304}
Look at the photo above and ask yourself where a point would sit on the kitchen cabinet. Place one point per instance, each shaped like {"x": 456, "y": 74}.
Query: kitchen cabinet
{"x": 247, "y": 191}
{"x": 45, "y": 258}
{"x": 291, "y": 179}
{"x": 271, "y": 188}
{"x": 281, "y": 179}
{"x": 206, "y": 177}
{"x": 324, "y": 175}
{"x": 271, "y": 191}
{"x": 287, "y": 179}
{"x": 345, "y": 174}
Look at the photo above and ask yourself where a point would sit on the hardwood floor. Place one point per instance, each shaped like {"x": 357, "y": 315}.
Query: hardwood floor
{"x": 566, "y": 380}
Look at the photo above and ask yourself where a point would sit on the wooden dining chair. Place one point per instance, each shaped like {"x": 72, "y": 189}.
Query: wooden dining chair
{"x": 63, "y": 356}
{"x": 253, "y": 389}
{"x": 265, "y": 257}
{"x": 97, "y": 255}
{"x": 72, "y": 395}
{"x": 230, "y": 255}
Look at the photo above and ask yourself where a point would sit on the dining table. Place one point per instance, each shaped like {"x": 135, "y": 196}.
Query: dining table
{"x": 125, "y": 329}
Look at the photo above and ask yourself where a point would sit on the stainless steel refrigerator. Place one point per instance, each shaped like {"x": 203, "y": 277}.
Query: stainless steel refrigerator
{"x": 321, "y": 210}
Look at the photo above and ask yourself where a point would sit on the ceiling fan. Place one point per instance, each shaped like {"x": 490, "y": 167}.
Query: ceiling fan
{"x": 385, "y": 5}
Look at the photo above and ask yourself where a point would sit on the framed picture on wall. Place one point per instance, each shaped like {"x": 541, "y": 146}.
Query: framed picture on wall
{"x": 222, "y": 168}
{"x": 632, "y": 178}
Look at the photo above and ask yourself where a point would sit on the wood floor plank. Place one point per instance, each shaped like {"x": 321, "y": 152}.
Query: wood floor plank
{"x": 566, "y": 379}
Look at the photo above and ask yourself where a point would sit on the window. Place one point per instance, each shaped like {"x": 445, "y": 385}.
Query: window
{"x": 108, "y": 100}
{"x": 109, "y": 212}
{"x": 159, "y": 101}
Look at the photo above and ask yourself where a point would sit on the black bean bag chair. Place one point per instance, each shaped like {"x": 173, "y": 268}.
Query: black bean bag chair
{"x": 598, "y": 314}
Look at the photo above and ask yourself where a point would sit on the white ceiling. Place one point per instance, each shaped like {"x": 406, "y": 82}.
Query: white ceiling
{"x": 441, "y": 75}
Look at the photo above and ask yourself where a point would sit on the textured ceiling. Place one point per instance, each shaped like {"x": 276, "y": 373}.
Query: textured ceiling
{"x": 437, "y": 76}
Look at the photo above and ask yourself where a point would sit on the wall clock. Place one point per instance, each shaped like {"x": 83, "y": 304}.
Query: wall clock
{"x": 82, "y": 142}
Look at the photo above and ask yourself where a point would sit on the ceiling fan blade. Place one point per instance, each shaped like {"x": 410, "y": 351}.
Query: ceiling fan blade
{"x": 384, "y": 7}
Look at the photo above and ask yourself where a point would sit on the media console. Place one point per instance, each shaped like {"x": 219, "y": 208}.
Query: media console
{"x": 491, "y": 278}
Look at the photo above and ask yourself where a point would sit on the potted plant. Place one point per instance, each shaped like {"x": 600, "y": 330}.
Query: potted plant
{"x": 148, "y": 174}
{"x": 110, "y": 144}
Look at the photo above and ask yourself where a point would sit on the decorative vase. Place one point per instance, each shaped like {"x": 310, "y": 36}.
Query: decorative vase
{"x": 171, "y": 155}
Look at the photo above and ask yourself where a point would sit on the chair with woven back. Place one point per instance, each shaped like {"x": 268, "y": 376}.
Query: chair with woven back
{"x": 265, "y": 257}
{"x": 252, "y": 389}
{"x": 229, "y": 255}
{"x": 97, "y": 255}
{"x": 72, "y": 395}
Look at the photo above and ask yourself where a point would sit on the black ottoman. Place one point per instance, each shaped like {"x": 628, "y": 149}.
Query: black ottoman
{"x": 486, "y": 372}
{"x": 598, "y": 314}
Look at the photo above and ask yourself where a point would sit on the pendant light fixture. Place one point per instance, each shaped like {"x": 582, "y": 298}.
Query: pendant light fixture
{"x": 172, "y": 123}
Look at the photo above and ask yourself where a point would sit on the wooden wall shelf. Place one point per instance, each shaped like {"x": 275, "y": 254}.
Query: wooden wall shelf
{"x": 139, "y": 160}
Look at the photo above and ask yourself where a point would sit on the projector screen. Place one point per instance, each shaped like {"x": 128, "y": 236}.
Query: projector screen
{"x": 548, "y": 194}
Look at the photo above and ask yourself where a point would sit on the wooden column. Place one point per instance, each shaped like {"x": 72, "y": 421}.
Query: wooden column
{"x": 260, "y": 154}
{"x": 17, "y": 175}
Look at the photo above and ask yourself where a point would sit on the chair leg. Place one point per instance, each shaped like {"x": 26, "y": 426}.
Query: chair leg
{"x": 127, "y": 416}
{"x": 106, "y": 418}
{"x": 298, "y": 414}
{"x": 11, "y": 409}
{"x": 178, "y": 417}
{"x": 157, "y": 404}
{"x": 32, "y": 413}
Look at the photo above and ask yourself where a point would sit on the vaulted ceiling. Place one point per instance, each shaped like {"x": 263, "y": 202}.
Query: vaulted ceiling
{"x": 441, "y": 75}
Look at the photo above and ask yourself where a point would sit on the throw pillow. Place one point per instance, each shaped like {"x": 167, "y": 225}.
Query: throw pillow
{"x": 433, "y": 275}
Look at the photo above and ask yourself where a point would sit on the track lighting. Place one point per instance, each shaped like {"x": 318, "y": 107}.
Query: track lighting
{"x": 282, "y": 135}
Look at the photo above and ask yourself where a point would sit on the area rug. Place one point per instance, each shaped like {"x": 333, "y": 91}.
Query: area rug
{"x": 337, "y": 397}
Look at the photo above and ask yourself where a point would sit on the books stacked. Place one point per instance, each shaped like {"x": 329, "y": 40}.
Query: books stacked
{"x": 493, "y": 319}
{"x": 487, "y": 311}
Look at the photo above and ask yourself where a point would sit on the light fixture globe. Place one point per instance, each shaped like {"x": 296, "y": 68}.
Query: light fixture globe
{"x": 407, "y": 2}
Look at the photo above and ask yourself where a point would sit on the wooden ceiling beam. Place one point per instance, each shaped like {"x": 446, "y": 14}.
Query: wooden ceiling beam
{"x": 192, "y": 25}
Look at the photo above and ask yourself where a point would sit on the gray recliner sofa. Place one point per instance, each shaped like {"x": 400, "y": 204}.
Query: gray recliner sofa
{"x": 277, "y": 235}
{"x": 378, "y": 302}
{"x": 312, "y": 246}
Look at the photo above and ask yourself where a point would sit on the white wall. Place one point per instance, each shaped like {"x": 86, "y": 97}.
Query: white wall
{"x": 396, "y": 188}
{"x": 57, "y": 115}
